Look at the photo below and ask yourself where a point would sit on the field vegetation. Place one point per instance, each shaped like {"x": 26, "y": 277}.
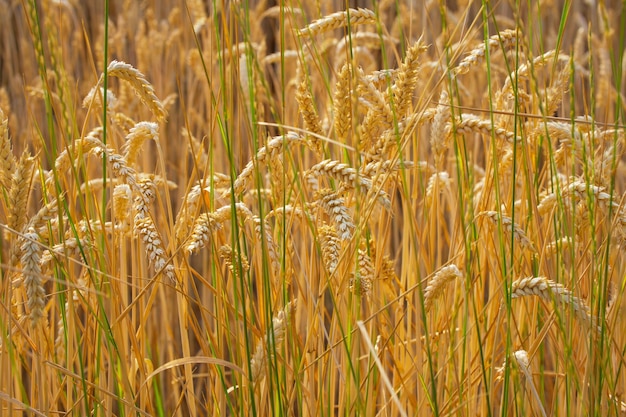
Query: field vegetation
{"x": 330, "y": 208}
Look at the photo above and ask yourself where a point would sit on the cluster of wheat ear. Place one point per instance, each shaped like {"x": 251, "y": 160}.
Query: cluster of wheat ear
{"x": 319, "y": 216}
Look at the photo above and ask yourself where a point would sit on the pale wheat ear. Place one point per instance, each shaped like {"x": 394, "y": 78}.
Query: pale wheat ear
{"x": 505, "y": 39}
{"x": 438, "y": 282}
{"x": 30, "y": 254}
{"x": 271, "y": 343}
{"x": 551, "y": 291}
{"x": 342, "y": 103}
{"x": 7, "y": 159}
{"x": 20, "y": 191}
{"x": 352, "y": 17}
{"x": 312, "y": 122}
{"x": 406, "y": 79}
{"x": 137, "y": 135}
{"x": 140, "y": 85}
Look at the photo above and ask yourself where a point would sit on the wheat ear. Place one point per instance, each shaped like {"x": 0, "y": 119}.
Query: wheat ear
{"x": 521, "y": 357}
{"x": 351, "y": 17}
{"x": 20, "y": 190}
{"x": 348, "y": 176}
{"x": 312, "y": 122}
{"x": 469, "y": 123}
{"x": 549, "y": 290}
{"x": 342, "y": 103}
{"x": 140, "y": 85}
{"x": 406, "y": 79}
{"x": 7, "y": 159}
{"x": 505, "y": 38}
{"x": 510, "y": 228}
{"x": 33, "y": 279}
{"x": 137, "y": 135}
{"x": 330, "y": 245}
{"x": 270, "y": 151}
{"x": 270, "y": 343}
{"x": 438, "y": 282}
{"x": 334, "y": 206}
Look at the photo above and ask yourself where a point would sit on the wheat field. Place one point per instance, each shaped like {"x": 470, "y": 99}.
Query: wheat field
{"x": 390, "y": 208}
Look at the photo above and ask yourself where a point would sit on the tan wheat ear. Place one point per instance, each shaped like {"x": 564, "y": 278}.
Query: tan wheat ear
{"x": 312, "y": 122}
{"x": 271, "y": 343}
{"x": 137, "y": 135}
{"x": 330, "y": 246}
{"x": 342, "y": 103}
{"x": 140, "y": 85}
{"x": 549, "y": 290}
{"x": 439, "y": 134}
{"x": 351, "y": 17}
{"x": 406, "y": 79}
{"x": 335, "y": 207}
{"x": 349, "y": 178}
{"x": 521, "y": 357}
{"x": 510, "y": 228}
{"x": 438, "y": 282}
{"x": 7, "y": 159}
{"x": 31, "y": 251}
{"x": 20, "y": 190}
{"x": 506, "y": 39}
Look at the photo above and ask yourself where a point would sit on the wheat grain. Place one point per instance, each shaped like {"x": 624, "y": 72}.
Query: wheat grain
{"x": 33, "y": 278}
{"x": 510, "y": 228}
{"x": 348, "y": 177}
{"x": 439, "y": 181}
{"x": 122, "y": 198}
{"x": 330, "y": 245}
{"x": 270, "y": 151}
{"x": 437, "y": 283}
{"x": 312, "y": 122}
{"x": 361, "y": 284}
{"x": 7, "y": 159}
{"x": 137, "y": 135}
{"x": 342, "y": 103}
{"x": 350, "y": 17}
{"x": 70, "y": 247}
{"x": 140, "y": 85}
{"x": 335, "y": 207}
{"x": 506, "y": 39}
{"x": 234, "y": 262}
{"x": 145, "y": 229}
{"x": 406, "y": 79}
{"x": 469, "y": 123}
{"x": 521, "y": 357}
{"x": 19, "y": 192}
{"x": 206, "y": 224}
{"x": 271, "y": 343}
{"x": 439, "y": 134}
{"x": 550, "y": 291}
{"x": 94, "y": 98}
